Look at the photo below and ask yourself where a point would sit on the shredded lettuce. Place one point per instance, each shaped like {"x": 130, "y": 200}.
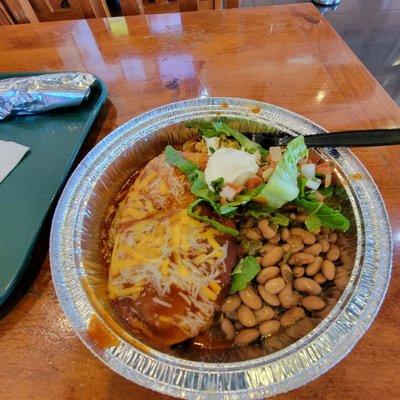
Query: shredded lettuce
{"x": 194, "y": 174}
{"x": 175, "y": 158}
{"x": 215, "y": 224}
{"x": 218, "y": 184}
{"x": 246, "y": 143}
{"x": 258, "y": 211}
{"x": 244, "y": 272}
{"x": 302, "y": 185}
{"x": 199, "y": 186}
{"x": 218, "y": 128}
{"x": 313, "y": 223}
{"x": 282, "y": 186}
{"x": 280, "y": 219}
{"x": 327, "y": 192}
{"x": 328, "y": 216}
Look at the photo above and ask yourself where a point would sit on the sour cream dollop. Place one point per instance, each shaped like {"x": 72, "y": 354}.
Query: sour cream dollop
{"x": 235, "y": 166}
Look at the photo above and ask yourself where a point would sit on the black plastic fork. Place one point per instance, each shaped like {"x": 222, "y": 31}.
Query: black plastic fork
{"x": 361, "y": 138}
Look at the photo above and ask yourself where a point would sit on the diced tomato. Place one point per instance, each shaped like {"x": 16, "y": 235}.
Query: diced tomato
{"x": 324, "y": 168}
{"x": 253, "y": 182}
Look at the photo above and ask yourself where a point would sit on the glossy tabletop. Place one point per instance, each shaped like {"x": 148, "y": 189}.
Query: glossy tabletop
{"x": 285, "y": 55}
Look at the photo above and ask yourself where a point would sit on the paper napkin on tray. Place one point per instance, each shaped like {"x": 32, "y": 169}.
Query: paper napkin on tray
{"x": 11, "y": 154}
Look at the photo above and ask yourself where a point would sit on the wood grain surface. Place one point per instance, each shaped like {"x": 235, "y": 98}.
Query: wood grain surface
{"x": 286, "y": 55}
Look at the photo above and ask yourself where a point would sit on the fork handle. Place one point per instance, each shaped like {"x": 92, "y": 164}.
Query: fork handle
{"x": 361, "y": 138}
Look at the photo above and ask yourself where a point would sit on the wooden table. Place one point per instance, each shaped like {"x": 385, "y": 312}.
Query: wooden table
{"x": 286, "y": 55}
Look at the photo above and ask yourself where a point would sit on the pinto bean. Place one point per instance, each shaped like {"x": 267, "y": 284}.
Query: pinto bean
{"x": 301, "y": 259}
{"x": 298, "y": 272}
{"x": 333, "y": 253}
{"x": 231, "y": 303}
{"x": 314, "y": 267}
{"x": 267, "y": 273}
{"x": 275, "y": 285}
{"x": 275, "y": 240}
{"x": 307, "y": 237}
{"x": 286, "y": 247}
{"x": 269, "y": 298}
{"x": 285, "y": 234}
{"x": 296, "y": 244}
{"x": 272, "y": 257}
{"x": 266, "y": 230}
{"x": 324, "y": 245}
{"x": 268, "y": 328}
{"x": 313, "y": 303}
{"x": 328, "y": 270}
{"x": 319, "y": 278}
{"x": 252, "y": 234}
{"x": 287, "y": 297}
{"x": 228, "y": 329}
{"x": 250, "y": 297}
{"x": 264, "y": 313}
{"x": 246, "y": 316}
{"x": 246, "y": 336}
{"x": 267, "y": 247}
{"x": 307, "y": 285}
{"x": 286, "y": 272}
{"x": 315, "y": 249}
{"x": 292, "y": 316}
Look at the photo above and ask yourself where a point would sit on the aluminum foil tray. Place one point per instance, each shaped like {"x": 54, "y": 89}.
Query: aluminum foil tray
{"x": 79, "y": 274}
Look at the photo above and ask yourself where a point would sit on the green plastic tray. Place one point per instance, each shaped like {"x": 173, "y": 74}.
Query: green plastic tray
{"x": 27, "y": 193}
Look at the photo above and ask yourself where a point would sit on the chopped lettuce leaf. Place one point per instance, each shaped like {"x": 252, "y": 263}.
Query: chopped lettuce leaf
{"x": 282, "y": 186}
{"x": 218, "y": 184}
{"x": 302, "y": 185}
{"x": 280, "y": 219}
{"x": 311, "y": 196}
{"x": 175, "y": 158}
{"x": 327, "y": 192}
{"x": 246, "y": 143}
{"x": 204, "y": 127}
{"x": 328, "y": 216}
{"x": 200, "y": 188}
{"x": 215, "y": 224}
{"x": 194, "y": 174}
{"x": 240, "y": 199}
{"x": 244, "y": 272}
{"x": 313, "y": 223}
{"x": 218, "y": 128}
{"x": 259, "y": 211}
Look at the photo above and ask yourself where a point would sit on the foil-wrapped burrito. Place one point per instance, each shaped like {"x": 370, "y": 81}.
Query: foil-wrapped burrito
{"x": 34, "y": 94}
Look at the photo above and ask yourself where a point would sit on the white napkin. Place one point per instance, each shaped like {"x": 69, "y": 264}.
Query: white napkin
{"x": 11, "y": 154}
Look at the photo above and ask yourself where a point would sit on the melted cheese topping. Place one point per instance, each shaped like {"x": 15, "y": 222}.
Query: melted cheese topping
{"x": 175, "y": 251}
{"x": 156, "y": 246}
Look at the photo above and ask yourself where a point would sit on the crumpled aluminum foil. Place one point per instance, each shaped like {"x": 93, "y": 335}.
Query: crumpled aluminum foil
{"x": 34, "y": 94}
